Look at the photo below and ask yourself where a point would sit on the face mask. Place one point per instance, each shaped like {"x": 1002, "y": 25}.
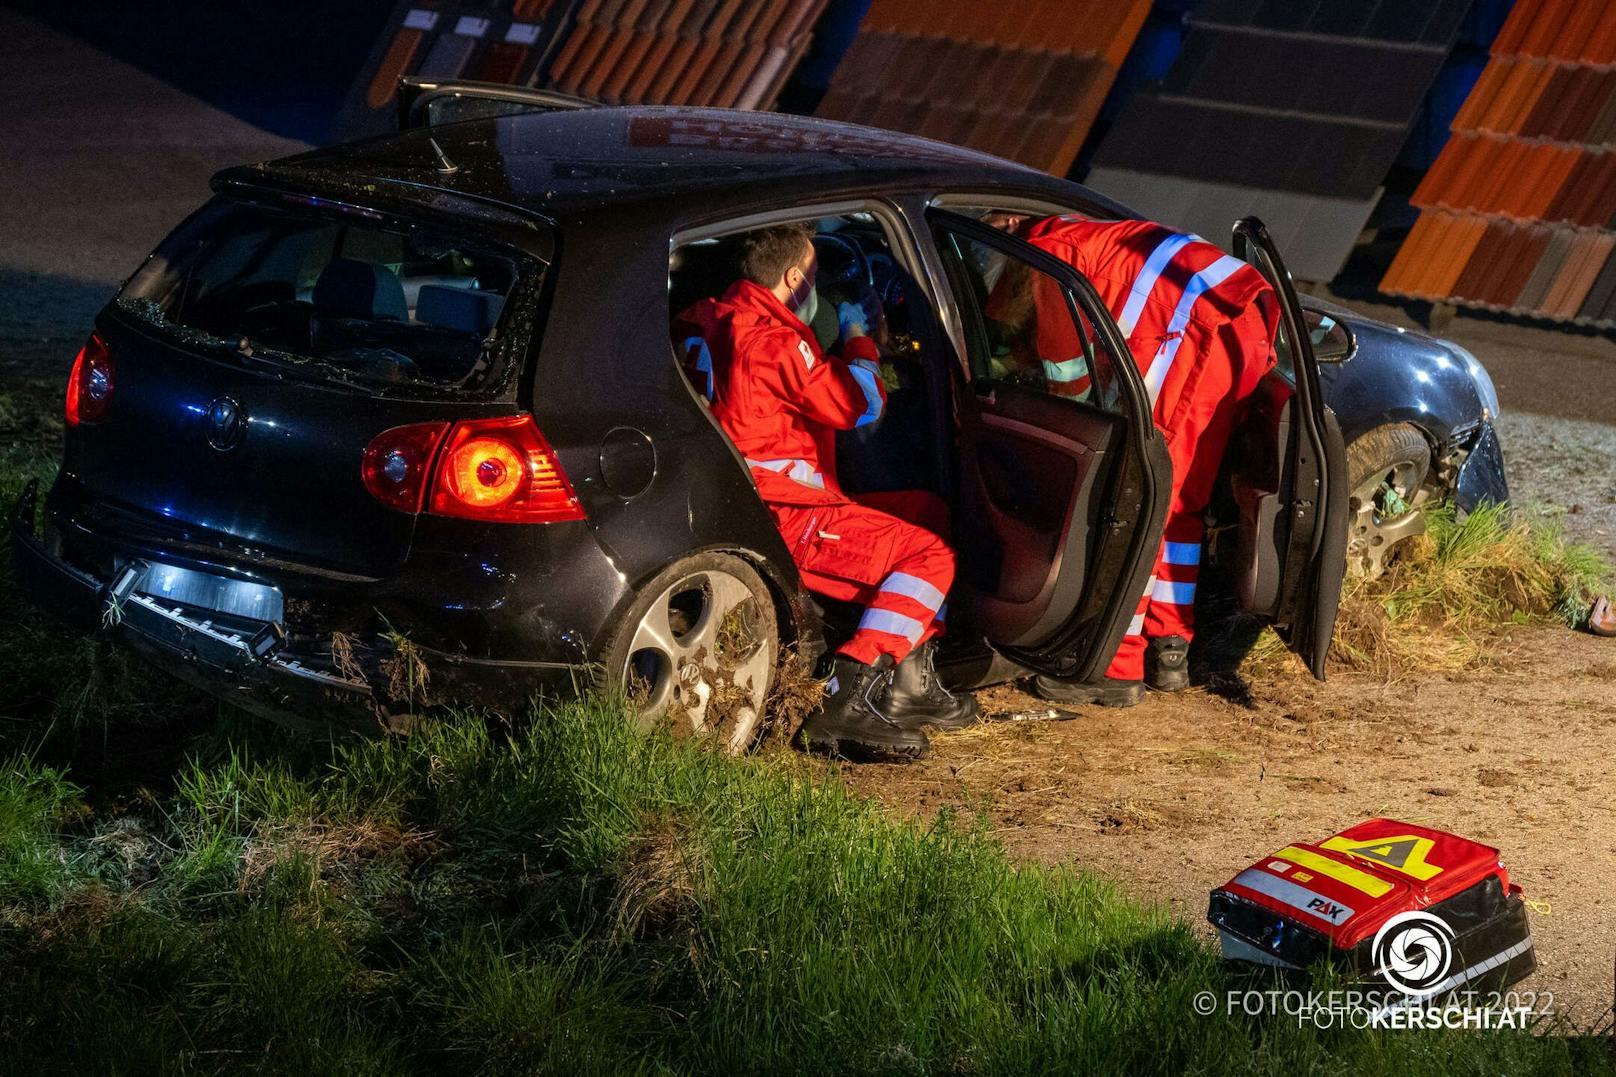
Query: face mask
{"x": 808, "y": 307}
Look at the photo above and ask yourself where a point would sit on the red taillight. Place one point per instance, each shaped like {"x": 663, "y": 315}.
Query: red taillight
{"x": 397, "y": 463}
{"x": 89, "y": 386}
{"x": 499, "y": 470}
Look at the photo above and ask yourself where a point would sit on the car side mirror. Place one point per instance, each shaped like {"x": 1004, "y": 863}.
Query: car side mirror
{"x": 1332, "y": 341}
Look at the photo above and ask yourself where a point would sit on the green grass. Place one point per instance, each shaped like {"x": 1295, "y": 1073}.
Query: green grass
{"x": 578, "y": 897}
{"x": 1495, "y": 564}
{"x": 1442, "y": 602}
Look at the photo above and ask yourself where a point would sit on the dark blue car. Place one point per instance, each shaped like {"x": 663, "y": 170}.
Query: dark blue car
{"x": 401, "y": 420}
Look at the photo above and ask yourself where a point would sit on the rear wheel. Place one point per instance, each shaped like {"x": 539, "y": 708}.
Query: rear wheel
{"x": 1387, "y": 467}
{"x": 699, "y": 648}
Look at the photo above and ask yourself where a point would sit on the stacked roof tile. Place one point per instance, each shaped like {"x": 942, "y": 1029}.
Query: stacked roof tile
{"x": 1519, "y": 210}
{"x": 1023, "y": 79}
{"x": 1291, "y": 109}
{"x": 729, "y": 53}
{"x": 732, "y": 53}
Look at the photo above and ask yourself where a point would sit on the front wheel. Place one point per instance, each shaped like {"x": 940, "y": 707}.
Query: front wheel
{"x": 1387, "y": 469}
{"x": 699, "y": 647}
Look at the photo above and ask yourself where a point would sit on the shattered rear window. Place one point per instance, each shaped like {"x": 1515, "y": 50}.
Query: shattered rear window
{"x": 342, "y": 298}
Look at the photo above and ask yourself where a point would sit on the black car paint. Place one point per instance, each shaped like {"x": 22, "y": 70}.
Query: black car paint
{"x": 1395, "y": 375}
{"x": 600, "y": 193}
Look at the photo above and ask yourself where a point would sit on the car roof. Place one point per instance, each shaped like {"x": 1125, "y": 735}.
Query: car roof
{"x": 568, "y": 162}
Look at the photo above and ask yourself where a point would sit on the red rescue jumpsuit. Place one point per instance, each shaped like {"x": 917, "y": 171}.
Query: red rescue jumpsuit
{"x": 781, "y": 400}
{"x": 1200, "y": 325}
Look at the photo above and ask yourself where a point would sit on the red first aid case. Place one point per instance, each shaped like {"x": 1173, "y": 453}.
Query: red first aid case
{"x": 1423, "y": 911}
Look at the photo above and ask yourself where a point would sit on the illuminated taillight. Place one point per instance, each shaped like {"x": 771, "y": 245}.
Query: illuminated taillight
{"x": 499, "y": 470}
{"x": 90, "y": 385}
{"x": 398, "y": 462}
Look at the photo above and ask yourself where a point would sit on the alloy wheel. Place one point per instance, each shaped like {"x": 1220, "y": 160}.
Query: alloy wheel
{"x": 703, "y": 654}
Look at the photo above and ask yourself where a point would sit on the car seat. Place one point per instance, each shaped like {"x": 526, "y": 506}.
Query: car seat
{"x": 466, "y": 310}
{"x": 349, "y": 288}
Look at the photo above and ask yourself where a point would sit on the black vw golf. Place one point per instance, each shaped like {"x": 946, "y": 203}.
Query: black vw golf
{"x": 403, "y": 419}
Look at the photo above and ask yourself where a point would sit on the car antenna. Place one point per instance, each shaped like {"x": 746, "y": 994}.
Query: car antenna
{"x": 446, "y": 167}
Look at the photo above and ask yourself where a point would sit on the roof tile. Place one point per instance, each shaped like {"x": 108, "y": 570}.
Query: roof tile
{"x": 1517, "y": 269}
{"x": 1601, "y": 292}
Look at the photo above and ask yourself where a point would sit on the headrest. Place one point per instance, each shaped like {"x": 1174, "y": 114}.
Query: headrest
{"x": 466, "y": 309}
{"x": 353, "y": 289}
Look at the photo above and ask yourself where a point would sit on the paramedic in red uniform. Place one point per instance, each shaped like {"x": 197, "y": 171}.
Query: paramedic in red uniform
{"x": 781, "y": 400}
{"x": 1200, "y": 325}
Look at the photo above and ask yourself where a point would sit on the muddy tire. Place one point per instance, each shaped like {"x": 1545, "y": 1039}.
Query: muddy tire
{"x": 699, "y": 649}
{"x": 1387, "y": 468}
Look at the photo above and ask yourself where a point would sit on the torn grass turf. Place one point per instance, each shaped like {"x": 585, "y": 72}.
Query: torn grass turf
{"x": 1443, "y": 601}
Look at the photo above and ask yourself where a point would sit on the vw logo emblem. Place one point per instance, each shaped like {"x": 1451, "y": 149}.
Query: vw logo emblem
{"x": 226, "y": 424}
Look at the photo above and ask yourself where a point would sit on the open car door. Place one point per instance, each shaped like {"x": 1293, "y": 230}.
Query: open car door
{"x": 431, "y": 102}
{"x": 1064, "y": 481}
{"x": 1288, "y": 478}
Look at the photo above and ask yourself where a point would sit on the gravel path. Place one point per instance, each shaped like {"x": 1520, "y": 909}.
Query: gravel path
{"x": 1566, "y": 468}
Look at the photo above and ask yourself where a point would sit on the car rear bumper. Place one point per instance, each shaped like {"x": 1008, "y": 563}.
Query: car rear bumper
{"x": 243, "y": 661}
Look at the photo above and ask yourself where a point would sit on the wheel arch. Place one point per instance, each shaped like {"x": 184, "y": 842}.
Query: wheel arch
{"x": 794, "y": 616}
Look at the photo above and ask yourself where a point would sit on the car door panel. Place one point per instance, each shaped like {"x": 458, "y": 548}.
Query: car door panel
{"x": 1288, "y": 479}
{"x": 1061, "y": 501}
{"x": 1031, "y": 482}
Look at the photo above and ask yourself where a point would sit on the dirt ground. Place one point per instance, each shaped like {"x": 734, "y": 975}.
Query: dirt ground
{"x": 1173, "y": 797}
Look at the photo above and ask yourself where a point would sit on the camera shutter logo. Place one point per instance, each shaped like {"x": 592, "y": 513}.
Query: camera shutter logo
{"x": 1413, "y": 951}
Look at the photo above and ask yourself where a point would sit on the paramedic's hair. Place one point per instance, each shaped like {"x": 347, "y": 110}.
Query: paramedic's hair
{"x": 769, "y": 252}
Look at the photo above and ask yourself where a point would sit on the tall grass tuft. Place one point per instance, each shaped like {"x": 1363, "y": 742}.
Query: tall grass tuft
{"x": 36, "y": 803}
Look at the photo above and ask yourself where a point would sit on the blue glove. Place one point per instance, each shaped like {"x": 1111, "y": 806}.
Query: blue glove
{"x": 852, "y": 319}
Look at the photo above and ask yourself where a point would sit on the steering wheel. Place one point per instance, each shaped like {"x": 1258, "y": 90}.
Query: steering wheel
{"x": 857, "y": 269}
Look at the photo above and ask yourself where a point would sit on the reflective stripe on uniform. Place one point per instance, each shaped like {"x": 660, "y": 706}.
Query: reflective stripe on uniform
{"x": 895, "y": 624}
{"x": 1070, "y": 370}
{"x": 799, "y": 470}
{"x": 1203, "y": 281}
{"x": 1136, "y": 627}
{"x": 867, "y": 374}
{"x": 1178, "y": 594}
{"x": 1145, "y": 282}
{"x": 902, "y": 583}
{"x": 1181, "y": 553}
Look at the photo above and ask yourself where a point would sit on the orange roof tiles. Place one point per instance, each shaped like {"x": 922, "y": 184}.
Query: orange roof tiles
{"x": 1518, "y": 213}
{"x": 730, "y": 53}
{"x": 1020, "y": 78}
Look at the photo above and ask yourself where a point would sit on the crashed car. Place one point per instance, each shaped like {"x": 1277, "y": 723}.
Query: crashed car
{"x": 1419, "y": 415}
{"x": 402, "y": 420}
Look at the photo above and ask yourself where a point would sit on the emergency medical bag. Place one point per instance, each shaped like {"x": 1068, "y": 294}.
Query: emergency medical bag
{"x": 1419, "y": 910}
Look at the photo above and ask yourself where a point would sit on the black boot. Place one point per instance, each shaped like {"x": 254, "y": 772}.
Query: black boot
{"x": 852, "y": 723}
{"x": 917, "y": 697}
{"x": 1105, "y": 691}
{"x": 1167, "y": 664}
